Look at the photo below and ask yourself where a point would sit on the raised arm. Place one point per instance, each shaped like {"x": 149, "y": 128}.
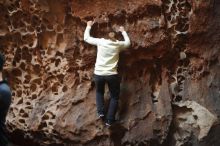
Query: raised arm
{"x": 126, "y": 43}
{"x": 87, "y": 37}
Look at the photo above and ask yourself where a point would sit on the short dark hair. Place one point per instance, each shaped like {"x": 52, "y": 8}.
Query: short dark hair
{"x": 2, "y": 61}
{"x": 117, "y": 33}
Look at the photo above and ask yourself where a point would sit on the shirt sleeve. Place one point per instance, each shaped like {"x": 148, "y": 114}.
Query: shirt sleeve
{"x": 126, "y": 43}
{"x": 89, "y": 39}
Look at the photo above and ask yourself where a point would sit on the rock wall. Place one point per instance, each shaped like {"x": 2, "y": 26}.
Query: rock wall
{"x": 170, "y": 89}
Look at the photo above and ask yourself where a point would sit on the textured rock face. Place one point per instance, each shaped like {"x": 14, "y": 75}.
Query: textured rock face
{"x": 170, "y": 89}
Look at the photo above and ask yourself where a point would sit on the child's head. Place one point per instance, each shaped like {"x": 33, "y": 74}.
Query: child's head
{"x": 114, "y": 34}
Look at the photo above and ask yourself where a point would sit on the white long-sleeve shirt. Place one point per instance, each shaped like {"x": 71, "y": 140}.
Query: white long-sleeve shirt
{"x": 107, "y": 52}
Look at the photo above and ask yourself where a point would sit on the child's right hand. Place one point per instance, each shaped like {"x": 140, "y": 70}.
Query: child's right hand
{"x": 121, "y": 29}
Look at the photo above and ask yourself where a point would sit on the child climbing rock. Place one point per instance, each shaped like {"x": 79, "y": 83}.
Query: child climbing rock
{"x": 106, "y": 69}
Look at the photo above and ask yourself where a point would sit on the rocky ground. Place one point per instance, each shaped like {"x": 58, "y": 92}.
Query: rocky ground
{"x": 170, "y": 88}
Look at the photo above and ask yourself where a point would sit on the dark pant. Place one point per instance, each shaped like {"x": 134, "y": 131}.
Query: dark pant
{"x": 113, "y": 82}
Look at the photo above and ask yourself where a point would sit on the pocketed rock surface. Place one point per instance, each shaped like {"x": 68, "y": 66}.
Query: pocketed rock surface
{"x": 170, "y": 75}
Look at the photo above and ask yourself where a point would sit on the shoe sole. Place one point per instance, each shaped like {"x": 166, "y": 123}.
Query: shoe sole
{"x": 107, "y": 124}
